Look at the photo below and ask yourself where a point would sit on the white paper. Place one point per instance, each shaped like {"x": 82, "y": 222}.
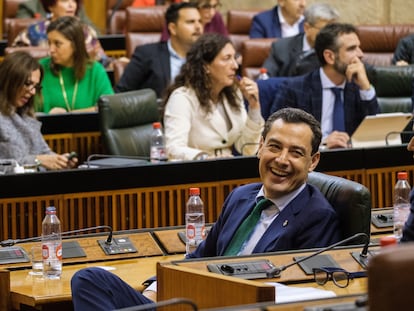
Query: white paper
{"x": 289, "y": 293}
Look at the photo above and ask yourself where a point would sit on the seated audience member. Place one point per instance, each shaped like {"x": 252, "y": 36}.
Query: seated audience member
{"x": 404, "y": 53}
{"x": 72, "y": 81}
{"x": 408, "y": 231}
{"x": 294, "y": 56}
{"x": 36, "y": 34}
{"x": 156, "y": 65}
{"x": 34, "y": 9}
{"x": 338, "y": 94}
{"x": 205, "y": 115}
{"x": 210, "y": 18}
{"x": 293, "y": 215}
{"x": 284, "y": 20}
{"x": 20, "y": 136}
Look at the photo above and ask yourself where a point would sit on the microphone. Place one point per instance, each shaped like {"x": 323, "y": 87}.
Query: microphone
{"x": 275, "y": 272}
{"x": 113, "y": 156}
{"x": 10, "y": 242}
{"x": 387, "y": 137}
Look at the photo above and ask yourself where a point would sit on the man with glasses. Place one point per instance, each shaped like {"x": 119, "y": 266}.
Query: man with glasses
{"x": 296, "y": 55}
{"x": 284, "y": 20}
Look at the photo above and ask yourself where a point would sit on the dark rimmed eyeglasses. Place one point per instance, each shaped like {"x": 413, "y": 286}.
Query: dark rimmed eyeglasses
{"x": 339, "y": 276}
{"x": 29, "y": 85}
{"x": 210, "y": 6}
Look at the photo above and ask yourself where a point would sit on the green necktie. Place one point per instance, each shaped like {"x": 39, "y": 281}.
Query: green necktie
{"x": 246, "y": 228}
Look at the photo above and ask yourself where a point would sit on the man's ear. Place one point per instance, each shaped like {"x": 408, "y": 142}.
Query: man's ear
{"x": 329, "y": 56}
{"x": 259, "y": 150}
{"x": 315, "y": 160}
{"x": 172, "y": 28}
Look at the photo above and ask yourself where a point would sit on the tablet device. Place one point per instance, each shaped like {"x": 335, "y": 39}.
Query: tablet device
{"x": 380, "y": 130}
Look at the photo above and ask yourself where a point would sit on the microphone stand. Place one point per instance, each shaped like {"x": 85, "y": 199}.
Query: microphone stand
{"x": 275, "y": 272}
{"x": 10, "y": 242}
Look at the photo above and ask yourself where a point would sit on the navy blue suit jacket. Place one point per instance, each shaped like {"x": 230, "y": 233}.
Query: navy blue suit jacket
{"x": 149, "y": 67}
{"x": 267, "y": 25}
{"x": 305, "y": 92}
{"x": 307, "y": 221}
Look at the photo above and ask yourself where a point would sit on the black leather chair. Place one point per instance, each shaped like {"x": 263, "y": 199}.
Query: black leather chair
{"x": 351, "y": 200}
{"x": 126, "y": 121}
{"x": 394, "y": 87}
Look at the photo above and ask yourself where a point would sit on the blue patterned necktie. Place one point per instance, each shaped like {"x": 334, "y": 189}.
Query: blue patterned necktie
{"x": 246, "y": 228}
{"x": 338, "y": 113}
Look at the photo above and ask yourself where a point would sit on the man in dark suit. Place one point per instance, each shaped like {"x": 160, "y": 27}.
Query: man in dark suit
{"x": 297, "y": 216}
{"x": 155, "y": 65}
{"x": 295, "y": 55}
{"x": 284, "y": 20}
{"x": 338, "y": 49}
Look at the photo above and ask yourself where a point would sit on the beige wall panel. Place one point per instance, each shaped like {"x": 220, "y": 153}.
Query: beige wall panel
{"x": 401, "y": 11}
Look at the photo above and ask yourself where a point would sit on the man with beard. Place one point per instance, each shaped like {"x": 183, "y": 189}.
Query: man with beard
{"x": 338, "y": 94}
{"x": 155, "y": 65}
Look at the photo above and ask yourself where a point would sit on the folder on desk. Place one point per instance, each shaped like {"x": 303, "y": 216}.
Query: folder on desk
{"x": 380, "y": 130}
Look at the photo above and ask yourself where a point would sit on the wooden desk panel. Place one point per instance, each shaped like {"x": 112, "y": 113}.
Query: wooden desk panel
{"x": 170, "y": 240}
{"x": 191, "y": 279}
{"x": 144, "y": 243}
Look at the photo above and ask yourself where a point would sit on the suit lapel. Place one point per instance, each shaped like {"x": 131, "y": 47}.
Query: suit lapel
{"x": 165, "y": 64}
{"x": 283, "y": 222}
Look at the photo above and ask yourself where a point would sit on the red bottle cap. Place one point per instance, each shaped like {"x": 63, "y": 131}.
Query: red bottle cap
{"x": 388, "y": 240}
{"x": 156, "y": 125}
{"x": 402, "y": 175}
{"x": 194, "y": 191}
{"x": 263, "y": 70}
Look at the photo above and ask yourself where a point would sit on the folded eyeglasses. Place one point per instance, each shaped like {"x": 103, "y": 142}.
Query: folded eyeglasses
{"x": 339, "y": 276}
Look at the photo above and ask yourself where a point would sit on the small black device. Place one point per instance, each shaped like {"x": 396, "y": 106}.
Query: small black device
{"x": 13, "y": 254}
{"x": 383, "y": 220}
{"x": 121, "y": 245}
{"x": 72, "y": 155}
{"x": 248, "y": 270}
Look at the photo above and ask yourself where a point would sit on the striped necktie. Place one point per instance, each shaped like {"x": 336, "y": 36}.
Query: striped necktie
{"x": 246, "y": 228}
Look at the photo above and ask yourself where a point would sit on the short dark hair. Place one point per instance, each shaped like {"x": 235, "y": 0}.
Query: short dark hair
{"x": 295, "y": 115}
{"x": 172, "y": 13}
{"x": 47, "y": 3}
{"x": 72, "y": 29}
{"x": 327, "y": 38}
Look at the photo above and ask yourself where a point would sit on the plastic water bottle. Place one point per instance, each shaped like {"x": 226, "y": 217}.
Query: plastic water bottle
{"x": 157, "y": 152}
{"x": 263, "y": 74}
{"x": 51, "y": 245}
{"x": 401, "y": 203}
{"x": 194, "y": 221}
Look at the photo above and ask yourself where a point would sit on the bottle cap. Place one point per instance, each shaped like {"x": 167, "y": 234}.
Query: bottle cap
{"x": 388, "y": 240}
{"x": 156, "y": 125}
{"x": 402, "y": 175}
{"x": 194, "y": 191}
{"x": 263, "y": 70}
{"x": 51, "y": 210}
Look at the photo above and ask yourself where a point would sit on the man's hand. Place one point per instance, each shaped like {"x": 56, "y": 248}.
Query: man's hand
{"x": 355, "y": 72}
{"x": 337, "y": 140}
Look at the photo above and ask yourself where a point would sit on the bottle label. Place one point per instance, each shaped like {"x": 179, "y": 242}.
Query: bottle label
{"x": 158, "y": 154}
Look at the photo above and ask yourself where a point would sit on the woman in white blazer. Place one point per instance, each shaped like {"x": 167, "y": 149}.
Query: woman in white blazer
{"x": 204, "y": 114}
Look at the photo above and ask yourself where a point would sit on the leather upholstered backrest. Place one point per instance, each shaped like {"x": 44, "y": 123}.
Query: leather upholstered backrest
{"x": 393, "y": 86}
{"x": 351, "y": 200}
{"x": 126, "y": 121}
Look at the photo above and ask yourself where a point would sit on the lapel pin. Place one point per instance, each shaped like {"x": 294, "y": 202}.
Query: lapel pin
{"x": 285, "y": 223}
